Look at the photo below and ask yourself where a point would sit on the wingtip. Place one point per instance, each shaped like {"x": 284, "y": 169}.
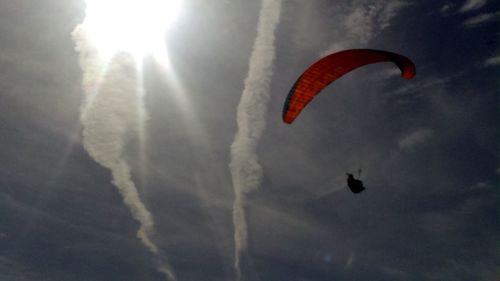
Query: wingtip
{"x": 408, "y": 75}
{"x": 287, "y": 120}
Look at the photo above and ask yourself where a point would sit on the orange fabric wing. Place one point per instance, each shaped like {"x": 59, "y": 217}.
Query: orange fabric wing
{"x": 330, "y": 68}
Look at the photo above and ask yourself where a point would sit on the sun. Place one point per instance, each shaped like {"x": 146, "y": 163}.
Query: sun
{"x": 134, "y": 26}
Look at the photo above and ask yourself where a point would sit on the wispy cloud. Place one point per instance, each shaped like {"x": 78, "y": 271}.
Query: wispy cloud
{"x": 364, "y": 20}
{"x": 392, "y": 72}
{"x": 492, "y": 61}
{"x": 395, "y": 274}
{"x": 423, "y": 84}
{"x": 245, "y": 169}
{"x": 472, "y": 5}
{"x": 415, "y": 138}
{"x": 113, "y": 110}
{"x": 350, "y": 261}
{"x": 11, "y": 269}
{"x": 481, "y": 186}
{"x": 480, "y": 19}
{"x": 446, "y": 8}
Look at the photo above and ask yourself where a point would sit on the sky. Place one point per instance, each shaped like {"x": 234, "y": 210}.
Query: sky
{"x": 185, "y": 170}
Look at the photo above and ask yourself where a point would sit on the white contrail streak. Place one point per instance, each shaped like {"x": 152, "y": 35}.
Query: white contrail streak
{"x": 113, "y": 110}
{"x": 245, "y": 169}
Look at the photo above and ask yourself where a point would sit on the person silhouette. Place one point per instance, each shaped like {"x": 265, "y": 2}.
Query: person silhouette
{"x": 355, "y": 185}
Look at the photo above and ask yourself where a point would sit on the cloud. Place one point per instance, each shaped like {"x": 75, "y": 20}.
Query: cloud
{"x": 417, "y": 87}
{"x": 395, "y": 274}
{"x": 492, "y": 61}
{"x": 350, "y": 261}
{"x": 472, "y": 5}
{"x": 113, "y": 110}
{"x": 360, "y": 23}
{"x": 480, "y": 19}
{"x": 392, "y": 72}
{"x": 446, "y": 8}
{"x": 364, "y": 20}
{"x": 481, "y": 186}
{"x": 418, "y": 137}
{"x": 474, "y": 210}
{"x": 245, "y": 169}
{"x": 10, "y": 269}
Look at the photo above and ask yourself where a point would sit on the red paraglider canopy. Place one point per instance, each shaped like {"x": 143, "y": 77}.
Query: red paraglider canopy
{"x": 330, "y": 68}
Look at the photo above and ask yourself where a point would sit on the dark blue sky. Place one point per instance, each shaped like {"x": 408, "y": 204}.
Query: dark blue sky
{"x": 428, "y": 148}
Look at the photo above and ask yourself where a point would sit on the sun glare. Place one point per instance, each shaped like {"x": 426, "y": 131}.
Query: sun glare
{"x": 134, "y": 26}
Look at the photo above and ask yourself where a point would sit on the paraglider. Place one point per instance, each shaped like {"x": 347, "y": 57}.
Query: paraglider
{"x": 355, "y": 185}
{"x": 328, "y": 69}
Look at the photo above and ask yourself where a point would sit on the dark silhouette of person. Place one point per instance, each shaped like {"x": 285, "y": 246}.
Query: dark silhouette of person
{"x": 355, "y": 185}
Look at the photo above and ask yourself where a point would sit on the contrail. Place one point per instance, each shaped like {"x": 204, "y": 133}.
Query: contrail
{"x": 245, "y": 169}
{"x": 113, "y": 111}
